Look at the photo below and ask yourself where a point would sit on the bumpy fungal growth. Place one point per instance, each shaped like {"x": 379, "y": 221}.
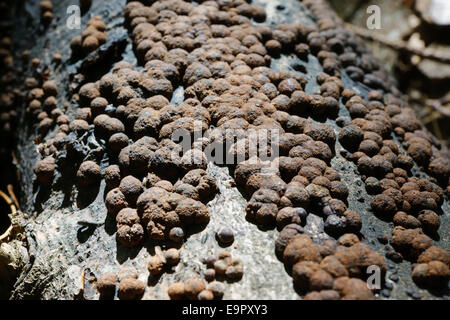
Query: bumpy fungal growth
{"x": 222, "y": 63}
{"x": 131, "y": 289}
{"x": 195, "y": 289}
{"x": 88, "y": 173}
{"x": 44, "y": 170}
{"x": 176, "y": 291}
{"x": 223, "y": 266}
{"x": 165, "y": 214}
{"x": 172, "y": 256}
{"x": 329, "y": 270}
{"x": 90, "y": 39}
{"x": 106, "y": 285}
{"x": 432, "y": 274}
{"x": 155, "y": 266}
{"x": 129, "y": 230}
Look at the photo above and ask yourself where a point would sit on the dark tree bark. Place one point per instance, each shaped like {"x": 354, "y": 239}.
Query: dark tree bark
{"x": 62, "y": 238}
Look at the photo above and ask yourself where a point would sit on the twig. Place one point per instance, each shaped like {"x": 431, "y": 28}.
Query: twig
{"x": 8, "y": 200}
{"x": 426, "y": 53}
{"x": 83, "y": 277}
{"x": 437, "y": 129}
{"x": 437, "y": 105}
{"x": 6, "y": 234}
{"x": 13, "y": 210}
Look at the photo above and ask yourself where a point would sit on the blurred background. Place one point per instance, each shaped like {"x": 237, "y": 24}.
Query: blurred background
{"x": 413, "y": 44}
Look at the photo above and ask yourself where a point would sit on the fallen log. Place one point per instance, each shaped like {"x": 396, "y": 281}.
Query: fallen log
{"x": 349, "y": 126}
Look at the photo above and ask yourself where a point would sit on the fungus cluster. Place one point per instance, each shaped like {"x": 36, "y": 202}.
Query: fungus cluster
{"x": 90, "y": 39}
{"x": 223, "y": 267}
{"x": 330, "y": 270}
{"x": 432, "y": 264}
{"x": 385, "y": 166}
{"x": 9, "y": 95}
{"x": 195, "y": 289}
{"x": 222, "y": 61}
{"x": 129, "y": 286}
{"x": 163, "y": 210}
{"x": 43, "y": 102}
{"x": 157, "y": 264}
